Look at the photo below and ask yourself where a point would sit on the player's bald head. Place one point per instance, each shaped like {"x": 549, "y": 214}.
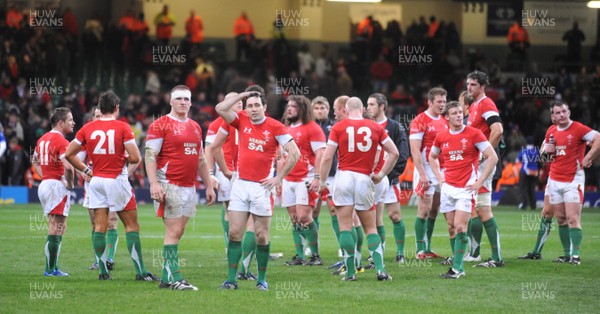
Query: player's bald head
{"x": 340, "y": 102}
{"x": 354, "y": 104}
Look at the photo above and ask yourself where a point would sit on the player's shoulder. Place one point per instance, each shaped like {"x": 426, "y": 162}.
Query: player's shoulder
{"x": 423, "y": 116}
{"x": 119, "y": 124}
{"x": 488, "y": 103}
{"x": 469, "y": 130}
{"x": 444, "y": 133}
{"x": 272, "y": 123}
{"x": 215, "y": 124}
{"x": 579, "y": 126}
{"x": 313, "y": 126}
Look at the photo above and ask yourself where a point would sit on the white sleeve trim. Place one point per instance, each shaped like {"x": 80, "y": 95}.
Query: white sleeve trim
{"x": 317, "y": 145}
{"x": 283, "y": 139}
{"x": 385, "y": 141}
{"x": 222, "y": 130}
{"x": 131, "y": 141}
{"x": 590, "y": 136}
{"x": 488, "y": 114}
{"x": 482, "y": 145}
{"x": 155, "y": 144}
{"x": 77, "y": 141}
{"x": 332, "y": 143}
{"x": 436, "y": 150}
{"x": 210, "y": 139}
{"x": 416, "y": 136}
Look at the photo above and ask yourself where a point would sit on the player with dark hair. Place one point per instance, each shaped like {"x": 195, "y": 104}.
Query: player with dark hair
{"x": 110, "y": 144}
{"x": 299, "y": 187}
{"x": 57, "y": 180}
{"x": 259, "y": 139}
{"x": 112, "y": 235}
{"x": 387, "y": 192}
{"x": 484, "y": 116}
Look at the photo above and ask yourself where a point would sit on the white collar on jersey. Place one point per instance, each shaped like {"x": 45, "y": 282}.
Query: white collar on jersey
{"x": 295, "y": 125}
{"x": 478, "y": 101}
{"x": 560, "y": 129}
{"x": 177, "y": 119}
{"x": 432, "y": 117}
{"x": 459, "y": 131}
{"x": 57, "y": 131}
{"x": 382, "y": 121}
{"x": 107, "y": 119}
{"x": 261, "y": 121}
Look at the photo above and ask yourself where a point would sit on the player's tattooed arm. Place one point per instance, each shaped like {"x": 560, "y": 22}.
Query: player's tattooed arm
{"x": 156, "y": 191}
{"x": 150, "y": 161}
{"x": 293, "y": 155}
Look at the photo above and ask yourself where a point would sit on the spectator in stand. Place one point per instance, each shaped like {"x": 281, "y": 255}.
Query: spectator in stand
{"x": 434, "y": 25}
{"x": 344, "y": 82}
{"x": 194, "y": 32}
{"x": 71, "y": 32}
{"x": 518, "y": 41}
{"x": 403, "y": 102}
{"x": 244, "y": 36}
{"x": 92, "y": 39}
{"x": 510, "y": 175}
{"x": 14, "y": 18}
{"x": 164, "y": 22}
{"x": 306, "y": 61}
{"x": 381, "y": 73}
{"x": 17, "y": 162}
{"x": 205, "y": 73}
{"x": 574, "y": 37}
{"x": 364, "y": 33}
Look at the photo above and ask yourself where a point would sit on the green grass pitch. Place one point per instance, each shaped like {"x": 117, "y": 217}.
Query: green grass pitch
{"x": 523, "y": 286}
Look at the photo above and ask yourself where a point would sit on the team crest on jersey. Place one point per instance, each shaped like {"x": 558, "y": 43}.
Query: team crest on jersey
{"x": 464, "y": 143}
{"x": 298, "y": 135}
{"x": 430, "y": 128}
{"x": 266, "y": 133}
{"x": 445, "y": 145}
{"x": 176, "y": 131}
{"x": 569, "y": 139}
{"x": 247, "y": 130}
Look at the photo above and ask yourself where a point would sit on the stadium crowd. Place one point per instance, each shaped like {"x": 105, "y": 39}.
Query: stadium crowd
{"x": 78, "y": 64}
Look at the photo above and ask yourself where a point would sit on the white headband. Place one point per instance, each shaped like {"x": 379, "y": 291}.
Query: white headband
{"x": 181, "y": 93}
